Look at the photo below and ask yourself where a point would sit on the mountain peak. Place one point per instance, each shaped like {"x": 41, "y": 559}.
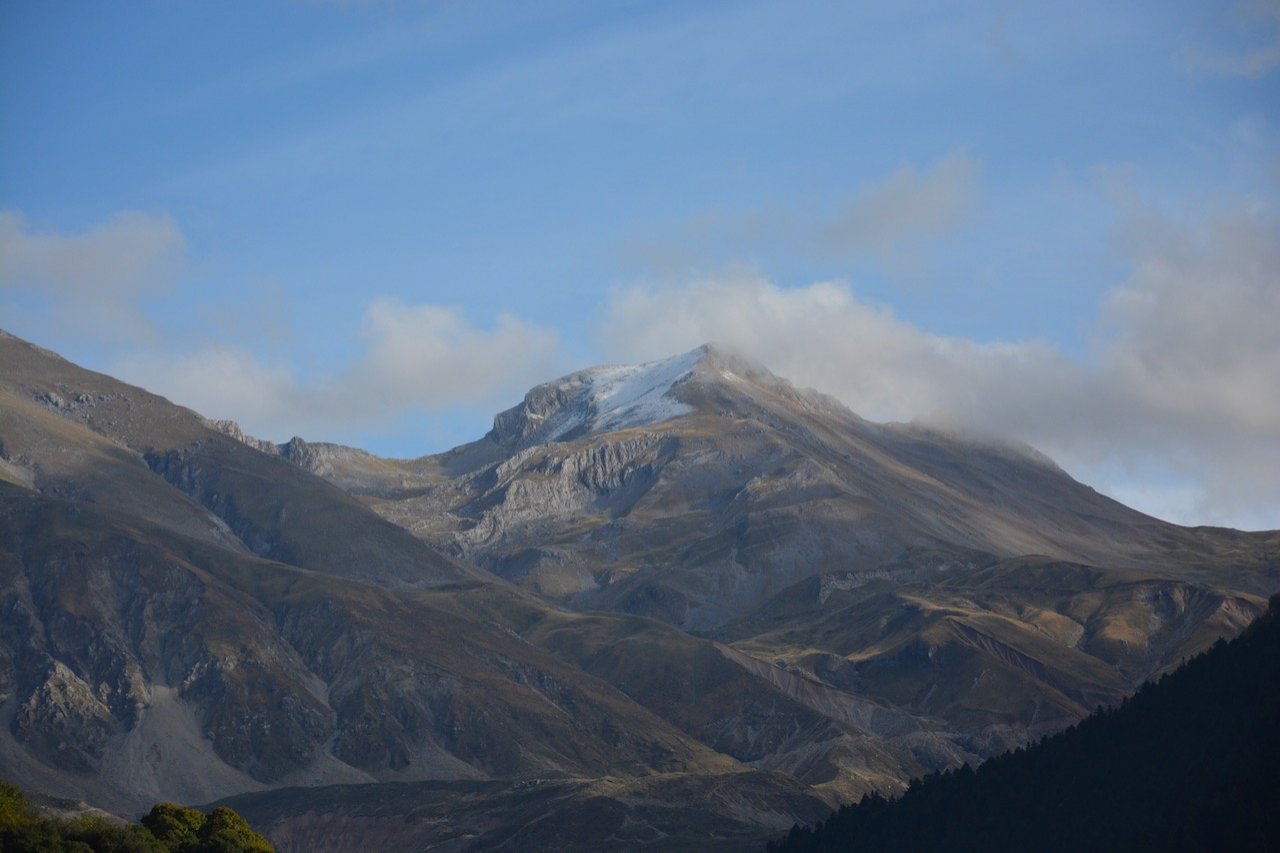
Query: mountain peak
{"x": 617, "y": 397}
{"x": 622, "y": 396}
{"x": 609, "y": 397}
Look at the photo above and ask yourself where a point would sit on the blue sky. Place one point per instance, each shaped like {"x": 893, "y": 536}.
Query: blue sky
{"x": 379, "y": 223}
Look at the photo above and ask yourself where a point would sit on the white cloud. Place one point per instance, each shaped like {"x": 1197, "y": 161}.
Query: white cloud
{"x": 1195, "y": 341}
{"x": 823, "y": 336}
{"x": 415, "y": 358}
{"x": 1197, "y": 326}
{"x": 91, "y": 282}
{"x": 431, "y": 352}
{"x": 1179, "y": 387}
{"x": 220, "y": 382}
{"x": 1185, "y": 375}
{"x": 418, "y": 358}
{"x": 896, "y": 213}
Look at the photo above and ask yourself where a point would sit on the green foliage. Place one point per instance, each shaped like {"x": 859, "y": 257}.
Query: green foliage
{"x": 1189, "y": 763}
{"x": 177, "y": 827}
{"x": 227, "y": 832}
{"x": 37, "y": 836}
{"x": 14, "y": 809}
{"x": 167, "y": 828}
{"x": 103, "y": 836}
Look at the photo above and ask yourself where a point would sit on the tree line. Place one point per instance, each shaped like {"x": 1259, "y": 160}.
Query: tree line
{"x": 167, "y": 828}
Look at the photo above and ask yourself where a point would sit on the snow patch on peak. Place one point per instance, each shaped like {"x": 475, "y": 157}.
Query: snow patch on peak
{"x": 599, "y": 399}
{"x": 638, "y": 395}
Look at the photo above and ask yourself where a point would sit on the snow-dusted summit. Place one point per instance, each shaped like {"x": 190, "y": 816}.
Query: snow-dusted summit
{"x": 638, "y": 395}
{"x": 600, "y": 398}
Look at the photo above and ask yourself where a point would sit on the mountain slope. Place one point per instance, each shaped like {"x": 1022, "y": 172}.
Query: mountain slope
{"x": 971, "y": 585}
{"x": 696, "y": 488}
{"x": 187, "y": 617}
{"x": 1189, "y": 763}
{"x": 673, "y": 814}
{"x": 191, "y": 613}
{"x": 146, "y": 666}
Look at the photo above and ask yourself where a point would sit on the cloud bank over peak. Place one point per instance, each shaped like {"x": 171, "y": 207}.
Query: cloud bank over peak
{"x": 1180, "y": 385}
{"x": 1175, "y": 405}
{"x": 823, "y": 336}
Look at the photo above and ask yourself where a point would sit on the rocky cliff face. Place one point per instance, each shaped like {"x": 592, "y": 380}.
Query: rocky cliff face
{"x": 103, "y": 618}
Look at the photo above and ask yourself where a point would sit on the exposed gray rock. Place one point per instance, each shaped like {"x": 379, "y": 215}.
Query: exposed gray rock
{"x": 63, "y": 721}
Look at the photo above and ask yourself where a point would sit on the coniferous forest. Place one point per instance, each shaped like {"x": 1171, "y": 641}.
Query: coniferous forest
{"x": 1191, "y": 762}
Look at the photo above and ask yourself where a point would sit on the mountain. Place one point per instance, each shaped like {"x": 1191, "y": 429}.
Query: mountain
{"x": 1191, "y": 762}
{"x": 187, "y": 617}
{"x": 678, "y": 605}
{"x": 971, "y": 585}
{"x": 697, "y": 488}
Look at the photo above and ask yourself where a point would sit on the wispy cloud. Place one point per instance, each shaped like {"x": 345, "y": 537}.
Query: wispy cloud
{"x": 92, "y": 287}
{"x": 1255, "y": 54}
{"x": 1177, "y": 388}
{"x": 892, "y": 216}
{"x": 888, "y": 221}
{"x": 92, "y": 282}
{"x": 414, "y": 359}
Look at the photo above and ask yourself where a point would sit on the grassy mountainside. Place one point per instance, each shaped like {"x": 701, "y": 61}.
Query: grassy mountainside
{"x": 685, "y": 812}
{"x": 1191, "y": 762}
{"x": 188, "y": 617}
{"x": 970, "y": 586}
{"x": 1002, "y": 649}
{"x": 743, "y": 486}
{"x": 191, "y": 614}
{"x": 143, "y": 664}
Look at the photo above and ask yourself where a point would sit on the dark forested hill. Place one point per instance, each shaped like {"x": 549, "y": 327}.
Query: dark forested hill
{"x": 1191, "y": 762}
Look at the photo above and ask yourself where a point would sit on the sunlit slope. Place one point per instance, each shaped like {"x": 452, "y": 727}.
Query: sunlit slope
{"x": 188, "y": 617}
{"x": 1189, "y": 763}
{"x": 700, "y": 511}
{"x": 689, "y": 570}
{"x": 967, "y": 585}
